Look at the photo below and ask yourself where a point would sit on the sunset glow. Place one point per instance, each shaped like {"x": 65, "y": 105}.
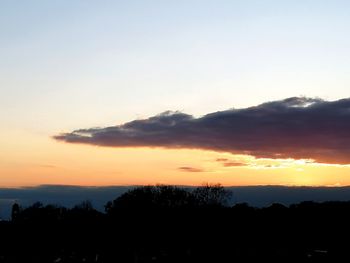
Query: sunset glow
{"x": 36, "y": 160}
{"x": 235, "y": 92}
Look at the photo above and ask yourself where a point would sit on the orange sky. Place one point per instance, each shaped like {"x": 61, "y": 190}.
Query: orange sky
{"x": 34, "y": 159}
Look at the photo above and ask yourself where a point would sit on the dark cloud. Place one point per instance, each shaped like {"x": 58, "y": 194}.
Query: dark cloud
{"x": 190, "y": 169}
{"x": 298, "y": 127}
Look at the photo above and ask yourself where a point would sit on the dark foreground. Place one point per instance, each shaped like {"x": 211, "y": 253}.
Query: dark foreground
{"x": 165, "y": 224}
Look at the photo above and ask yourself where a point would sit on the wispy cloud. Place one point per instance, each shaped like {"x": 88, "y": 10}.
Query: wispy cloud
{"x": 190, "y": 169}
{"x": 231, "y": 163}
{"x": 298, "y": 128}
{"x": 49, "y": 166}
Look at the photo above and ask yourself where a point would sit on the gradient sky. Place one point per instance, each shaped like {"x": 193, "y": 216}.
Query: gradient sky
{"x": 67, "y": 65}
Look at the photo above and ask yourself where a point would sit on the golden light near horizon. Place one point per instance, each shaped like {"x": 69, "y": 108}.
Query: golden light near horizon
{"x": 35, "y": 160}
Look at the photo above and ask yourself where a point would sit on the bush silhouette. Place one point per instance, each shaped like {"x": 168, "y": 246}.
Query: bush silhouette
{"x": 152, "y": 197}
{"x": 211, "y": 195}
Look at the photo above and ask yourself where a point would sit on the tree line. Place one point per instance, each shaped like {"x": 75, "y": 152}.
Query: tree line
{"x": 138, "y": 198}
{"x": 174, "y": 224}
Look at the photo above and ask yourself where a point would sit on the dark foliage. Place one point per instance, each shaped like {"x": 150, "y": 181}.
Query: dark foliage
{"x": 170, "y": 224}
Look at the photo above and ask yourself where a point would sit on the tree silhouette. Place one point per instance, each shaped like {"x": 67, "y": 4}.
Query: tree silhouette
{"x": 84, "y": 206}
{"x": 211, "y": 195}
{"x": 151, "y": 197}
{"x": 16, "y": 209}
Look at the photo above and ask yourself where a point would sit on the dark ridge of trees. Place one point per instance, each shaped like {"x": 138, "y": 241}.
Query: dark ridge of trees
{"x": 170, "y": 197}
{"x": 172, "y": 224}
{"x": 154, "y": 197}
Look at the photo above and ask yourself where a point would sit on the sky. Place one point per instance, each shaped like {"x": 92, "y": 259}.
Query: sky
{"x": 67, "y": 66}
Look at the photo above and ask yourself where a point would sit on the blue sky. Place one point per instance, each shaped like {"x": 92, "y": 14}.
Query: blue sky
{"x": 97, "y": 63}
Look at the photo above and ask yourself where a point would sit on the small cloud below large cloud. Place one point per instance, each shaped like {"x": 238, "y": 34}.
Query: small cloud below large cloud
{"x": 231, "y": 163}
{"x": 297, "y": 128}
{"x": 190, "y": 169}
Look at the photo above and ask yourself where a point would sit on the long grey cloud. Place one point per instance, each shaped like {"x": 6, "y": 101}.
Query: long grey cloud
{"x": 297, "y": 127}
